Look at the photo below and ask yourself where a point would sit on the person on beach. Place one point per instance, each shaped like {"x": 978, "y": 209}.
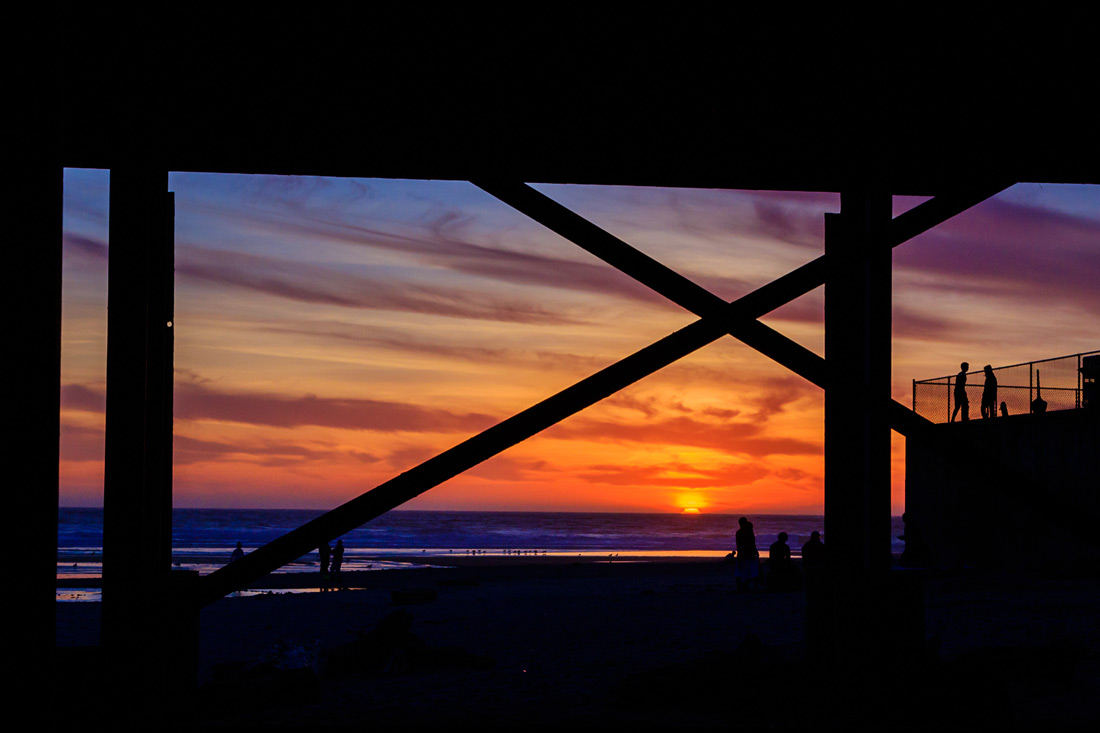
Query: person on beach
{"x": 746, "y": 567}
{"x": 337, "y": 561}
{"x": 989, "y": 394}
{"x": 781, "y": 571}
{"x": 916, "y": 553}
{"x": 813, "y": 553}
{"x": 325, "y": 552}
{"x": 961, "y": 402}
{"x": 238, "y": 553}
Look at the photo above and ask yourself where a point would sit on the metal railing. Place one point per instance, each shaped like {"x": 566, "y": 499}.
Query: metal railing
{"x": 1060, "y": 382}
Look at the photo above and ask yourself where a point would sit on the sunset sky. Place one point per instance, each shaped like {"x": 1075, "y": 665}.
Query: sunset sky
{"x": 331, "y": 333}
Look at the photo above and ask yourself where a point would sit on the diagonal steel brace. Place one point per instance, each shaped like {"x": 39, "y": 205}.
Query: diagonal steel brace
{"x": 736, "y": 318}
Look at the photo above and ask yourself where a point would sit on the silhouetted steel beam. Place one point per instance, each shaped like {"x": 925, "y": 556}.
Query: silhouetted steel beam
{"x": 496, "y": 439}
{"x": 737, "y": 318}
{"x": 137, "y": 488}
{"x": 31, "y": 284}
{"x": 740, "y": 315}
{"x": 858, "y": 295}
{"x": 689, "y": 294}
{"x": 902, "y": 228}
{"x": 461, "y": 457}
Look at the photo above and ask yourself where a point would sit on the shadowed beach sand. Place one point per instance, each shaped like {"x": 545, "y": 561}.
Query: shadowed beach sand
{"x": 531, "y": 641}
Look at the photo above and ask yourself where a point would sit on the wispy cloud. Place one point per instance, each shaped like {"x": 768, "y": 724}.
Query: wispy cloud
{"x": 1007, "y": 249}
{"x": 187, "y": 450}
{"x": 370, "y": 289}
{"x": 79, "y": 443}
{"x": 735, "y": 438}
{"x": 200, "y": 402}
{"x": 677, "y": 475}
{"x": 77, "y": 245}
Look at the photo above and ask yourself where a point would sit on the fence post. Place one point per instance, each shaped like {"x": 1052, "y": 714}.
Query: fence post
{"x": 950, "y": 392}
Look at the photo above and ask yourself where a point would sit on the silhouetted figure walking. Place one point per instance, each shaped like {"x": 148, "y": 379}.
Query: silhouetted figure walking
{"x": 916, "y": 553}
{"x": 813, "y": 553}
{"x": 238, "y": 553}
{"x": 782, "y": 574}
{"x": 325, "y": 552}
{"x": 746, "y": 566}
{"x": 337, "y": 561}
{"x": 989, "y": 394}
{"x": 961, "y": 402}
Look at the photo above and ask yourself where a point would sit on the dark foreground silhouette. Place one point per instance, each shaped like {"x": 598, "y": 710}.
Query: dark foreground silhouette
{"x": 746, "y": 568}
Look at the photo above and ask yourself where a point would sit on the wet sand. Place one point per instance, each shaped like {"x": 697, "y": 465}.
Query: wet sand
{"x": 535, "y": 642}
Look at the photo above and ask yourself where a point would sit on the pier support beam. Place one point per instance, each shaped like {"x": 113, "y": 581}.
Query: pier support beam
{"x": 31, "y": 285}
{"x": 137, "y": 494}
{"x": 853, "y": 610}
{"x": 857, "y": 394}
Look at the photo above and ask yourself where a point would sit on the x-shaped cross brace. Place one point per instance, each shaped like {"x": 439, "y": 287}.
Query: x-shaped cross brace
{"x": 717, "y": 318}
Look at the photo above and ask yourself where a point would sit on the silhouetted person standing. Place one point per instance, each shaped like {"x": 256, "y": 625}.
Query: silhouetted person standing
{"x": 325, "y": 552}
{"x": 238, "y": 553}
{"x": 747, "y": 563}
{"x": 961, "y": 402}
{"x": 781, "y": 571}
{"x": 989, "y": 394}
{"x": 813, "y": 553}
{"x": 337, "y": 561}
{"x": 916, "y": 553}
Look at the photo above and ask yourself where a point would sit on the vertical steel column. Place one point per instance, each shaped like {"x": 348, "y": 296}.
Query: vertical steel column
{"x": 31, "y": 283}
{"x": 30, "y": 280}
{"x": 137, "y": 493}
{"x": 857, "y": 352}
{"x": 846, "y": 610}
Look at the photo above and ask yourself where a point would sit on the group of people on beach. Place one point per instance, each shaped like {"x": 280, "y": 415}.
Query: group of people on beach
{"x": 331, "y": 558}
{"x": 782, "y": 572}
{"x": 989, "y": 394}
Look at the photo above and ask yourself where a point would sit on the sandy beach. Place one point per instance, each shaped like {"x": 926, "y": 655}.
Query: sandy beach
{"x": 537, "y": 641}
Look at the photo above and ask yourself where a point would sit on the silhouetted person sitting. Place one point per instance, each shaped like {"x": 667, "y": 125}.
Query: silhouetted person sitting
{"x": 989, "y": 394}
{"x": 961, "y": 401}
{"x": 1004, "y": 410}
{"x": 746, "y": 566}
{"x": 813, "y": 553}
{"x": 782, "y": 574}
{"x": 916, "y": 553}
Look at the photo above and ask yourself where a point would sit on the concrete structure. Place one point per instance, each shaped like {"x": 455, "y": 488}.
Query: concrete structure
{"x": 1015, "y": 492}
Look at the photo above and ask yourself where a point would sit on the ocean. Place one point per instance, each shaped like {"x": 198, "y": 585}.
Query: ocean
{"x": 202, "y": 539}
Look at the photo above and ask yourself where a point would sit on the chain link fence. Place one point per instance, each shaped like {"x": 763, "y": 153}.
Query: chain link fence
{"x": 1064, "y": 383}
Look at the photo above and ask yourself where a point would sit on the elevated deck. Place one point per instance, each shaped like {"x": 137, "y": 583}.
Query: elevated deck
{"x": 1016, "y": 492}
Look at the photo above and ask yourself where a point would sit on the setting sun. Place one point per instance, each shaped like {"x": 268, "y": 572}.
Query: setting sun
{"x": 690, "y": 510}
